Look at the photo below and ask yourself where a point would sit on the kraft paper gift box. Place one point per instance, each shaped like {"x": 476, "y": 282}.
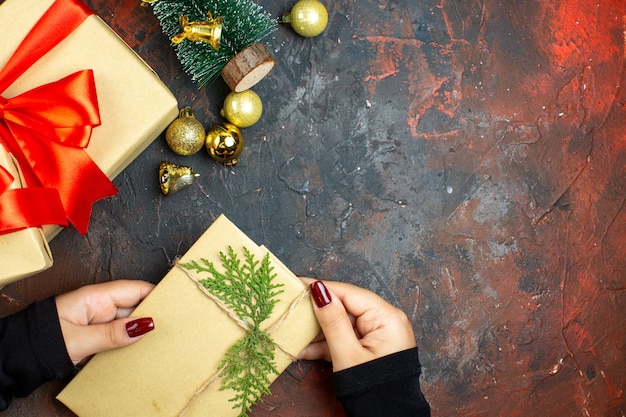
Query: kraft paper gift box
{"x": 163, "y": 374}
{"x": 25, "y": 252}
{"x": 135, "y": 106}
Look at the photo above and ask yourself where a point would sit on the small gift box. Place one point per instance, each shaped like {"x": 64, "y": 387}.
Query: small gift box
{"x": 182, "y": 367}
{"x": 78, "y": 104}
{"x": 24, "y": 252}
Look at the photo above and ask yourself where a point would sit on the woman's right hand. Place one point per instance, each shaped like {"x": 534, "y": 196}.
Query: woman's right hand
{"x": 357, "y": 325}
{"x": 94, "y": 318}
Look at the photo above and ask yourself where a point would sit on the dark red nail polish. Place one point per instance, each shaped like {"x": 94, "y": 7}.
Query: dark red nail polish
{"x": 320, "y": 294}
{"x": 139, "y": 326}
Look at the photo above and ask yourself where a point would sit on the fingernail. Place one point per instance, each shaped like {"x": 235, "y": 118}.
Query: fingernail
{"x": 320, "y": 294}
{"x": 139, "y": 326}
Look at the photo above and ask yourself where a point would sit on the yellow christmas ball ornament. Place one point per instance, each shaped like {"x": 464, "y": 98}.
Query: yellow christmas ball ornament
{"x": 185, "y": 135}
{"x": 308, "y": 18}
{"x": 224, "y": 142}
{"x": 242, "y": 109}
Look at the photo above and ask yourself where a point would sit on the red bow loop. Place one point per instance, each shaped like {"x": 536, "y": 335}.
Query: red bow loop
{"x": 64, "y": 111}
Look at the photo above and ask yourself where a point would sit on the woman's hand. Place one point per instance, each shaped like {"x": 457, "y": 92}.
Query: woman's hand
{"x": 358, "y": 326}
{"x": 94, "y": 318}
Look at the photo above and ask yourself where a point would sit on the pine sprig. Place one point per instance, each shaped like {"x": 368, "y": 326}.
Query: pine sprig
{"x": 248, "y": 369}
{"x": 246, "y": 288}
{"x": 245, "y": 23}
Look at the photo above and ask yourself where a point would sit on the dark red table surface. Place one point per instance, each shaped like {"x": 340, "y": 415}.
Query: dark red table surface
{"x": 465, "y": 160}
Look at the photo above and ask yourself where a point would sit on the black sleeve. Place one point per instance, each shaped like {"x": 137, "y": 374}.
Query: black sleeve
{"x": 388, "y": 386}
{"x": 32, "y": 351}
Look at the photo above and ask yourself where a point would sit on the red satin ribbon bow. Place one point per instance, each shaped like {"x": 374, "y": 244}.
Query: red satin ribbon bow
{"x": 47, "y": 129}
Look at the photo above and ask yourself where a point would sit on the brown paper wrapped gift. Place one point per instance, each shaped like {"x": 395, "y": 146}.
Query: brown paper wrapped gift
{"x": 135, "y": 105}
{"x": 25, "y": 252}
{"x": 164, "y": 373}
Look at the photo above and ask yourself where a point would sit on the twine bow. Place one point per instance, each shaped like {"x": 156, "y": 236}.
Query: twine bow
{"x": 243, "y": 325}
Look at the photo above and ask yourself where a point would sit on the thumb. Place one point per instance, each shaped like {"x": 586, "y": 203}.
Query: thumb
{"x": 85, "y": 341}
{"x": 336, "y": 325}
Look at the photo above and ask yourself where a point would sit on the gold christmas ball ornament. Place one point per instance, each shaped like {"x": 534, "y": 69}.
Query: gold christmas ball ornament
{"x": 174, "y": 177}
{"x": 224, "y": 142}
{"x": 308, "y": 18}
{"x": 185, "y": 135}
{"x": 242, "y": 109}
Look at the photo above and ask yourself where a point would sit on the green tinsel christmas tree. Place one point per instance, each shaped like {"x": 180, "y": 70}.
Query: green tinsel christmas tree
{"x": 245, "y": 24}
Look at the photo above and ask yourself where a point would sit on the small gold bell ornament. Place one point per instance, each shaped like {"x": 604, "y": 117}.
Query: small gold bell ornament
{"x": 174, "y": 177}
{"x": 308, "y": 18}
{"x": 185, "y": 135}
{"x": 208, "y": 31}
{"x": 242, "y": 109}
{"x": 224, "y": 142}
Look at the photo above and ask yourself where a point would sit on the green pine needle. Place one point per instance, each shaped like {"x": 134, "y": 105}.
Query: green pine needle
{"x": 246, "y": 288}
{"x": 245, "y": 23}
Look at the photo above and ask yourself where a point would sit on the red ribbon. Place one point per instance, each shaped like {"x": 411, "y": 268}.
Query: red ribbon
{"x": 47, "y": 129}
{"x": 6, "y": 179}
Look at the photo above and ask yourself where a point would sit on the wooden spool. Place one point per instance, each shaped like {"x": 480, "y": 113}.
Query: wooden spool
{"x": 248, "y": 67}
